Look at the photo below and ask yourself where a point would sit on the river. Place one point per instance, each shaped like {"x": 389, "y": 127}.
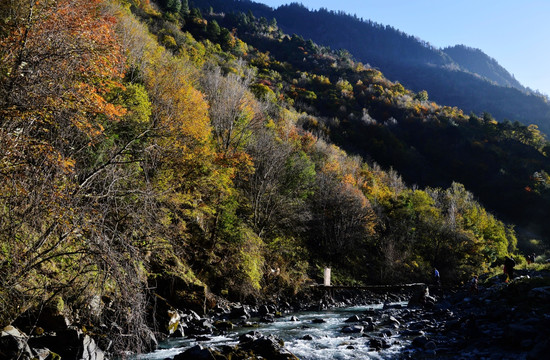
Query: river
{"x": 327, "y": 339}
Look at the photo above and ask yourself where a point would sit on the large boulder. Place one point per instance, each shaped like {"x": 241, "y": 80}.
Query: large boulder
{"x": 197, "y": 352}
{"x": 540, "y": 293}
{"x": 174, "y": 324}
{"x": 352, "y": 329}
{"x": 269, "y": 347}
{"x": 378, "y": 343}
{"x": 90, "y": 350}
{"x": 421, "y": 298}
{"x": 69, "y": 344}
{"x": 50, "y": 318}
{"x": 239, "y": 312}
{"x": 13, "y": 344}
{"x": 353, "y": 318}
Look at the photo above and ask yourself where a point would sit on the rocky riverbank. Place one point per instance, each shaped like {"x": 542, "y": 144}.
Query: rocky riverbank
{"x": 500, "y": 321}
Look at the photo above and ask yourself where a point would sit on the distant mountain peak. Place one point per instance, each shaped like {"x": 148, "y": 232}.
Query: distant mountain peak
{"x": 477, "y": 62}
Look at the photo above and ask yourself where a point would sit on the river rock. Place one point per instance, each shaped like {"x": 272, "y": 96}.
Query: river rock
{"x": 49, "y": 319}
{"x": 190, "y": 315}
{"x": 200, "y": 327}
{"x": 378, "y": 343}
{"x": 368, "y": 319}
{"x": 354, "y": 318}
{"x": 13, "y": 344}
{"x": 368, "y": 327}
{"x": 294, "y": 318}
{"x": 318, "y": 321}
{"x": 174, "y": 324}
{"x": 239, "y": 311}
{"x": 203, "y": 338}
{"x": 540, "y": 351}
{"x": 307, "y": 337}
{"x": 69, "y": 344}
{"x": 409, "y": 332}
{"x": 197, "y": 352}
{"x": 223, "y": 325}
{"x": 430, "y": 345}
{"x": 90, "y": 350}
{"x": 249, "y": 336}
{"x": 263, "y": 310}
{"x": 149, "y": 339}
{"x": 42, "y": 354}
{"x": 248, "y": 324}
{"x": 270, "y": 347}
{"x": 352, "y": 329}
{"x": 267, "y": 309}
{"x": 268, "y": 318}
{"x": 540, "y": 293}
{"x": 418, "y": 325}
{"x": 419, "y": 341}
{"x": 390, "y": 320}
{"x": 515, "y": 334}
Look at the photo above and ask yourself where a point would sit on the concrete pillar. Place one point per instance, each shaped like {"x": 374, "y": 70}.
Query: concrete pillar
{"x": 327, "y": 277}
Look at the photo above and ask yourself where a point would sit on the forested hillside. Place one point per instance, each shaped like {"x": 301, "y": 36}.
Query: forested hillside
{"x": 454, "y": 76}
{"x": 152, "y": 153}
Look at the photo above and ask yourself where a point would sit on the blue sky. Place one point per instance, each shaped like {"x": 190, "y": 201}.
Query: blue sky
{"x": 515, "y": 33}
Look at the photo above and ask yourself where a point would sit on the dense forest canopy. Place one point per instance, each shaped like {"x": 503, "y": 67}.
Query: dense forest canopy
{"x": 155, "y": 150}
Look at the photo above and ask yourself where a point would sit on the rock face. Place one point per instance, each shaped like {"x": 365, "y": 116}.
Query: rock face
{"x": 13, "y": 344}
{"x": 69, "y": 344}
{"x": 90, "y": 350}
{"x": 48, "y": 319}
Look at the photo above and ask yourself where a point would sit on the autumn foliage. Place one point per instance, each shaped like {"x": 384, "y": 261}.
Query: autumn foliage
{"x": 125, "y": 164}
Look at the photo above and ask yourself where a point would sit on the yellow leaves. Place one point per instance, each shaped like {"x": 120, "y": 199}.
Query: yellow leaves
{"x": 349, "y": 179}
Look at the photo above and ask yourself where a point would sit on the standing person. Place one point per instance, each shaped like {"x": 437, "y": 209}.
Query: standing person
{"x": 509, "y": 264}
{"x": 473, "y": 285}
{"x": 437, "y": 279}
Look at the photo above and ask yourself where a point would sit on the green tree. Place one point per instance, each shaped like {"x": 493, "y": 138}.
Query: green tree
{"x": 421, "y": 96}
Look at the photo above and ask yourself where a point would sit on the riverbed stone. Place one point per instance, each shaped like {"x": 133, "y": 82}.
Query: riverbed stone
{"x": 223, "y": 325}
{"x": 268, "y": 318}
{"x": 270, "y": 347}
{"x": 540, "y": 293}
{"x": 318, "y": 321}
{"x": 419, "y": 341}
{"x": 263, "y": 310}
{"x": 368, "y": 319}
{"x": 430, "y": 345}
{"x": 540, "y": 351}
{"x": 353, "y": 318}
{"x": 352, "y": 329}
{"x": 239, "y": 311}
{"x": 408, "y": 332}
{"x": 197, "y": 352}
{"x": 378, "y": 343}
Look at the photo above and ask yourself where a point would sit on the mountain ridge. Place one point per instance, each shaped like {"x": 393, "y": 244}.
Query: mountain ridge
{"x": 456, "y": 75}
